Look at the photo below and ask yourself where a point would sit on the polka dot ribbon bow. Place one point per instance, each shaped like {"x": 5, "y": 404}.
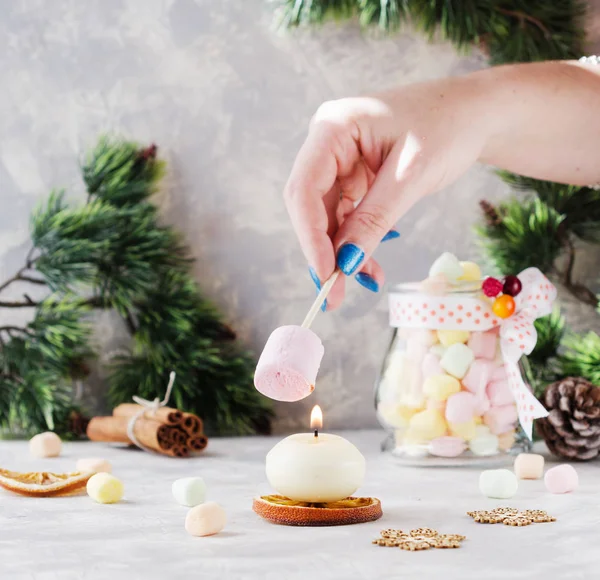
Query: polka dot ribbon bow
{"x": 518, "y": 337}
{"x": 517, "y": 332}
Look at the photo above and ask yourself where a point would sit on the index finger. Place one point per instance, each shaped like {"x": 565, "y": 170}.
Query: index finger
{"x": 312, "y": 192}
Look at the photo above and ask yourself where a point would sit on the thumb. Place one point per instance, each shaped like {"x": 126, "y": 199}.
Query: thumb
{"x": 392, "y": 194}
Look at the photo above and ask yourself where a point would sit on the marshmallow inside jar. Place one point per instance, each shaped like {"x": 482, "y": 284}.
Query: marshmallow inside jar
{"x": 288, "y": 366}
{"x": 441, "y": 394}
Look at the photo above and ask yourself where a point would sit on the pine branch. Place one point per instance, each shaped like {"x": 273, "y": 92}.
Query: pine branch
{"x": 582, "y": 357}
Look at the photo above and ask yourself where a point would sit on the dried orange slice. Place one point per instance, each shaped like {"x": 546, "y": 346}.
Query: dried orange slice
{"x": 44, "y": 484}
{"x": 352, "y": 510}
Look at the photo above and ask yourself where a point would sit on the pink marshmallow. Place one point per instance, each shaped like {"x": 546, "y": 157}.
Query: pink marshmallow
{"x": 561, "y": 479}
{"x": 431, "y": 365}
{"x": 499, "y": 374}
{"x": 501, "y": 419}
{"x": 460, "y": 407}
{"x": 288, "y": 366}
{"x": 478, "y": 376}
{"x": 482, "y": 404}
{"x": 447, "y": 446}
{"x": 499, "y": 393}
{"x": 483, "y": 344}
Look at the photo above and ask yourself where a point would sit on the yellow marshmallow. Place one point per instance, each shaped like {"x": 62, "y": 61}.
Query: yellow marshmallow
{"x": 426, "y": 425}
{"x": 466, "y": 431}
{"x": 450, "y": 337}
{"x": 471, "y": 272}
{"x": 397, "y": 415}
{"x": 478, "y": 420}
{"x": 105, "y": 488}
{"x": 440, "y": 387}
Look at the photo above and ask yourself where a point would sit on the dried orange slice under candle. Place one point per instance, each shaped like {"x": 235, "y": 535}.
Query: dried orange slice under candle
{"x": 44, "y": 484}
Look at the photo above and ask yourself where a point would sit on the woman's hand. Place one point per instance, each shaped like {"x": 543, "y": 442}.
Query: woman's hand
{"x": 367, "y": 161}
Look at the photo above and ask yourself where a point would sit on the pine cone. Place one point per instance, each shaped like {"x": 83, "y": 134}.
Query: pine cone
{"x": 490, "y": 213}
{"x": 572, "y": 429}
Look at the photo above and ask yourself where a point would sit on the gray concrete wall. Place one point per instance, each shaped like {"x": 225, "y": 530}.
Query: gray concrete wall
{"x": 227, "y": 100}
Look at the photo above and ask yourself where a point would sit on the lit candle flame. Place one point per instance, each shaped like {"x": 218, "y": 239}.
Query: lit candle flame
{"x": 316, "y": 418}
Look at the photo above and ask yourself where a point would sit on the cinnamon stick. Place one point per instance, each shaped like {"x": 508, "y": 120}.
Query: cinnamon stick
{"x": 181, "y": 451}
{"x": 192, "y": 424}
{"x": 198, "y": 443}
{"x": 164, "y": 414}
{"x": 149, "y": 432}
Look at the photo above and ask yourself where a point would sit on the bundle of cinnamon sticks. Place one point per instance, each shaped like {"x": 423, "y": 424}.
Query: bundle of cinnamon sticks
{"x": 166, "y": 430}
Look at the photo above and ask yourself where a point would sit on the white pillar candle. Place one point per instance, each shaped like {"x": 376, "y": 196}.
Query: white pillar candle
{"x": 315, "y": 467}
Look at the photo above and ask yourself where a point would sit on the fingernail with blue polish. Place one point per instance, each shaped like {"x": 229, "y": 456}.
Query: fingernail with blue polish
{"x": 349, "y": 258}
{"x": 367, "y": 281}
{"x": 391, "y": 235}
{"x": 314, "y": 277}
{"x": 317, "y": 282}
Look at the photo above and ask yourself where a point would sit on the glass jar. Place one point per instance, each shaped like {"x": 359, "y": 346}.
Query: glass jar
{"x": 443, "y": 393}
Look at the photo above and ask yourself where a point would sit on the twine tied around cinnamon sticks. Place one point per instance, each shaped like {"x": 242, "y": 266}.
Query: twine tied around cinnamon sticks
{"x": 151, "y": 426}
{"x": 151, "y": 406}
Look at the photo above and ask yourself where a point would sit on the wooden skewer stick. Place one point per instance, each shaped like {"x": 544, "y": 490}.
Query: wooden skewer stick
{"x": 314, "y": 309}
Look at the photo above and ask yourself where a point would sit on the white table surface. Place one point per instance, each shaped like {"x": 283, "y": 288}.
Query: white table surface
{"x": 143, "y": 537}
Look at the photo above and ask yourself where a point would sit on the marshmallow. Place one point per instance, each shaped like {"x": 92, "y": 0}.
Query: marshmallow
{"x": 447, "y": 446}
{"x": 457, "y": 359}
{"x": 499, "y": 393}
{"x": 529, "y": 466}
{"x": 105, "y": 488}
{"x": 499, "y": 373}
{"x": 506, "y": 440}
{"x": 45, "y": 445}
{"x": 205, "y": 519}
{"x": 478, "y": 376}
{"x": 501, "y": 419}
{"x": 189, "y": 491}
{"x": 460, "y": 407}
{"x": 435, "y": 285}
{"x": 431, "y": 365}
{"x": 440, "y": 387}
{"x": 483, "y": 344}
{"x": 396, "y": 416}
{"x": 450, "y": 337}
{"x": 95, "y": 464}
{"x": 471, "y": 272}
{"x": 482, "y": 405}
{"x": 438, "y": 350}
{"x": 484, "y": 445}
{"x": 426, "y": 425}
{"x": 498, "y": 483}
{"x": 423, "y": 336}
{"x": 288, "y": 366}
{"x": 561, "y": 479}
{"x": 447, "y": 264}
{"x": 466, "y": 430}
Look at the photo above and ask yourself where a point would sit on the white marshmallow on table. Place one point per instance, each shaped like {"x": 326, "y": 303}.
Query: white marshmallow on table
{"x": 449, "y": 265}
{"x": 45, "y": 445}
{"x": 457, "y": 359}
{"x": 561, "y": 479}
{"x": 205, "y": 519}
{"x": 189, "y": 491}
{"x": 95, "y": 464}
{"x": 529, "y": 466}
{"x": 498, "y": 483}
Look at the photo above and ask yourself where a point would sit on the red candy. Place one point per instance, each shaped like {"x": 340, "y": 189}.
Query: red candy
{"x": 492, "y": 287}
{"x": 512, "y": 285}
